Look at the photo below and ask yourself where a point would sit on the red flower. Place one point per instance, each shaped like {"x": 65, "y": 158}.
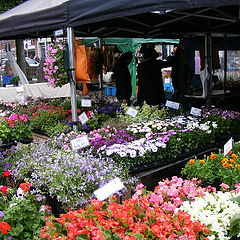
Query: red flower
{"x": 35, "y": 114}
{"x": 4, "y": 189}
{"x": 9, "y": 121}
{"x": 25, "y": 186}
{"x": 6, "y": 174}
{"x": 4, "y": 227}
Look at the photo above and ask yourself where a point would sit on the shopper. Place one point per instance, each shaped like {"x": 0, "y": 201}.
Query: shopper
{"x": 9, "y": 74}
{"x": 150, "y": 82}
{"x": 122, "y": 77}
{"x": 181, "y": 74}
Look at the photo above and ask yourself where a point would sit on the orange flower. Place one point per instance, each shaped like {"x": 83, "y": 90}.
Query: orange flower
{"x": 213, "y": 156}
{"x": 238, "y": 166}
{"x": 225, "y": 160}
{"x": 191, "y": 161}
{"x": 233, "y": 155}
{"x": 230, "y": 165}
{"x": 232, "y": 160}
{"x": 25, "y": 186}
{"x": 202, "y": 161}
{"x": 225, "y": 165}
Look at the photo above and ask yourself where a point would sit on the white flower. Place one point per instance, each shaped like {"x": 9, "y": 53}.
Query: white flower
{"x": 214, "y": 210}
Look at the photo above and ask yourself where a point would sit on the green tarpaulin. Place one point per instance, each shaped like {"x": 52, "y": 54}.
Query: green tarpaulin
{"x": 128, "y": 45}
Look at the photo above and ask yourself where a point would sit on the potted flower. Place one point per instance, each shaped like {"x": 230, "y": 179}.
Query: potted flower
{"x": 54, "y": 69}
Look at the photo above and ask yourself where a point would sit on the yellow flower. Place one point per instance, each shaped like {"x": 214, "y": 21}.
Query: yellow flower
{"x": 238, "y": 166}
{"x": 202, "y": 161}
{"x": 230, "y": 165}
{"x": 191, "y": 161}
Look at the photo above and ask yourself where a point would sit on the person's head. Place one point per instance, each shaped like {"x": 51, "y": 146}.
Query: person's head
{"x": 10, "y": 72}
{"x": 125, "y": 58}
{"x": 150, "y": 53}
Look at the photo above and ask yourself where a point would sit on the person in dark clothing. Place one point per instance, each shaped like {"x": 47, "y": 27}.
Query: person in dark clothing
{"x": 150, "y": 82}
{"x": 122, "y": 77}
{"x": 181, "y": 72}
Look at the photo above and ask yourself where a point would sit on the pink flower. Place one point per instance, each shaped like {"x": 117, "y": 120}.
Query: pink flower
{"x": 14, "y": 117}
{"x": 12, "y": 125}
{"x": 65, "y": 147}
{"x": 224, "y": 186}
{"x": 24, "y": 117}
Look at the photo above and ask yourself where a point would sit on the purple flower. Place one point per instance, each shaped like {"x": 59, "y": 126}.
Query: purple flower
{"x": 1, "y": 214}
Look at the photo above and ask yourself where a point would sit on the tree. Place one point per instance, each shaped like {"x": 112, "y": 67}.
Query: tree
{"x": 6, "y": 4}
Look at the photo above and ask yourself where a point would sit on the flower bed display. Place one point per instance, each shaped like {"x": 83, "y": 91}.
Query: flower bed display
{"x": 216, "y": 168}
{"x": 14, "y": 128}
{"x": 147, "y": 215}
{"x": 22, "y": 214}
{"x": 68, "y": 177}
{"x": 214, "y": 210}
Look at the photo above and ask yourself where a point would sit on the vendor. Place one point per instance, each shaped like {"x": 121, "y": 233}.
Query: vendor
{"x": 9, "y": 74}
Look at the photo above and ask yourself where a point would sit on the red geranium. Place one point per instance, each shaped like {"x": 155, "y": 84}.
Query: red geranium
{"x": 6, "y": 174}
{"x": 4, "y": 227}
{"x": 4, "y": 189}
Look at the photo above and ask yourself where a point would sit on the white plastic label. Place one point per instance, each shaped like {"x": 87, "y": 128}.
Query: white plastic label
{"x": 58, "y": 33}
{"x": 108, "y": 189}
{"x": 86, "y": 103}
{"x": 172, "y": 104}
{"x": 228, "y": 146}
{"x": 79, "y": 143}
{"x": 196, "y": 111}
{"x": 132, "y": 112}
{"x": 83, "y": 118}
{"x": 19, "y": 89}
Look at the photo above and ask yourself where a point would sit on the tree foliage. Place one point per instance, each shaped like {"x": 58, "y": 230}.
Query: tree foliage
{"x": 8, "y": 4}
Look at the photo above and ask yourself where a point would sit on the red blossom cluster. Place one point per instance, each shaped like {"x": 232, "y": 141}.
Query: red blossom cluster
{"x": 4, "y": 227}
{"x": 144, "y": 216}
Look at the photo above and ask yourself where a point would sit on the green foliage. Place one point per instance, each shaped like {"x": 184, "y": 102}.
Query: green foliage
{"x": 15, "y": 80}
{"x": 56, "y": 129}
{"x": 235, "y": 225}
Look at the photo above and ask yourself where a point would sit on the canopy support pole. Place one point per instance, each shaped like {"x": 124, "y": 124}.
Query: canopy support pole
{"x": 72, "y": 77}
{"x": 100, "y": 44}
{"x": 225, "y": 69}
{"x": 208, "y": 54}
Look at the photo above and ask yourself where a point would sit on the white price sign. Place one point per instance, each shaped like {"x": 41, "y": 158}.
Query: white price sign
{"x": 196, "y": 111}
{"x": 83, "y": 118}
{"x": 79, "y": 143}
{"x": 108, "y": 189}
{"x": 172, "y": 104}
{"x": 86, "y": 103}
{"x": 132, "y": 112}
{"x": 19, "y": 89}
{"x": 228, "y": 146}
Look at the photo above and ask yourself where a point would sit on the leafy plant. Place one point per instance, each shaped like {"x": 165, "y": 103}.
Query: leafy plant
{"x": 15, "y": 80}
